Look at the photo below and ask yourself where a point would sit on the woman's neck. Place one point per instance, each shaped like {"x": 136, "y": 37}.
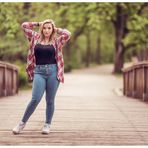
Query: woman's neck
{"x": 46, "y": 41}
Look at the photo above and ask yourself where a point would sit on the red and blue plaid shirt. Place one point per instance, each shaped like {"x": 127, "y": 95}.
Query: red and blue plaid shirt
{"x": 33, "y": 37}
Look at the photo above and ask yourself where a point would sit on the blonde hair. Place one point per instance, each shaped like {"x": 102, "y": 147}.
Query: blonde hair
{"x": 41, "y": 29}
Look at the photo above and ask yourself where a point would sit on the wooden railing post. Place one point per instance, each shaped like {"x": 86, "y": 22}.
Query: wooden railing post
{"x": 9, "y": 80}
{"x": 5, "y": 77}
{"x": 144, "y": 83}
{"x": 135, "y": 81}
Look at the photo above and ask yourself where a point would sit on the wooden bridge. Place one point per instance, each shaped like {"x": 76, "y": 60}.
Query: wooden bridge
{"x": 89, "y": 111}
{"x": 136, "y": 81}
{"x": 8, "y": 79}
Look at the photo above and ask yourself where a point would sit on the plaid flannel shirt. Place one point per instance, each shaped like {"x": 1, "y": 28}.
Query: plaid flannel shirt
{"x": 33, "y": 36}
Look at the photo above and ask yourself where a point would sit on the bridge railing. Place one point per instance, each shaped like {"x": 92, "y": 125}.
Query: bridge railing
{"x": 135, "y": 81}
{"x": 8, "y": 79}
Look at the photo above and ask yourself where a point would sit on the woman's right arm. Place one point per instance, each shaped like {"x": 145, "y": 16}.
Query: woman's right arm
{"x": 28, "y": 29}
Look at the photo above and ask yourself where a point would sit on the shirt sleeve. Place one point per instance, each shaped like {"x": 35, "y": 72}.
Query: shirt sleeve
{"x": 28, "y": 29}
{"x": 64, "y": 36}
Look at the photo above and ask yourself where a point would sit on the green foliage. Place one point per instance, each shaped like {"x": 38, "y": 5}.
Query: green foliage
{"x": 109, "y": 39}
{"x": 23, "y": 81}
{"x": 95, "y": 19}
{"x": 9, "y": 15}
{"x": 137, "y": 26}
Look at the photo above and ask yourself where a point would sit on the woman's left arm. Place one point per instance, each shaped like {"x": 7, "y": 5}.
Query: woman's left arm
{"x": 64, "y": 35}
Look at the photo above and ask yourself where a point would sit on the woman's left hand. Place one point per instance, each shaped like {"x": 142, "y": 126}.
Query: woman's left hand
{"x": 55, "y": 29}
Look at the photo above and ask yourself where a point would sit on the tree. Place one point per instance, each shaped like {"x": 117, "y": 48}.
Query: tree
{"x": 123, "y": 16}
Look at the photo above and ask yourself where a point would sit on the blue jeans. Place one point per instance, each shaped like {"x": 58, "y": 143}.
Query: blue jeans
{"x": 45, "y": 79}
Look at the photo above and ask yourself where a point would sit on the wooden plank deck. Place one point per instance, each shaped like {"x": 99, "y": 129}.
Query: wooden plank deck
{"x": 88, "y": 112}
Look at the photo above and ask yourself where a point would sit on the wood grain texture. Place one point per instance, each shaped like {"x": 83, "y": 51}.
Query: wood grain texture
{"x": 88, "y": 112}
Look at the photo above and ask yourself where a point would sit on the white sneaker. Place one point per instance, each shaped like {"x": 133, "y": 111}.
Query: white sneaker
{"x": 18, "y": 128}
{"x": 46, "y": 128}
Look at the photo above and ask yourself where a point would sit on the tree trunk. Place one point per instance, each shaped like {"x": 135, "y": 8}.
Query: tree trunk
{"x": 88, "y": 56}
{"x": 98, "y": 50}
{"x": 26, "y": 7}
{"x": 119, "y": 25}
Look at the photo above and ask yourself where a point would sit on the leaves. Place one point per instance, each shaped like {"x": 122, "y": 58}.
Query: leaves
{"x": 79, "y": 18}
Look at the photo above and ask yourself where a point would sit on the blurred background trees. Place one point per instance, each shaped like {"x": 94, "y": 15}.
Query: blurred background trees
{"x": 101, "y": 32}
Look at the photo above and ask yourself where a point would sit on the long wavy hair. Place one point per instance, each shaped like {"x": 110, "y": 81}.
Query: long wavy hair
{"x": 41, "y": 30}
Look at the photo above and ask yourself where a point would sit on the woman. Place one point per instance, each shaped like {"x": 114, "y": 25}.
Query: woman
{"x": 45, "y": 67}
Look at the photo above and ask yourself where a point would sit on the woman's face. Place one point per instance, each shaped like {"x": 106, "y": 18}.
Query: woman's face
{"x": 47, "y": 29}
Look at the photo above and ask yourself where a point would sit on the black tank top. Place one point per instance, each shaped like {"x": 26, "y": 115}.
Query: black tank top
{"x": 44, "y": 54}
